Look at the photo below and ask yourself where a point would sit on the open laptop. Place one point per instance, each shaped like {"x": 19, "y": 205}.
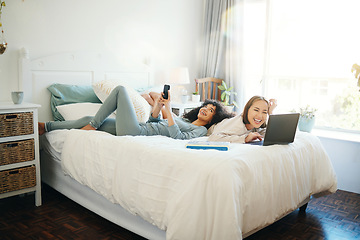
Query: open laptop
{"x": 281, "y": 129}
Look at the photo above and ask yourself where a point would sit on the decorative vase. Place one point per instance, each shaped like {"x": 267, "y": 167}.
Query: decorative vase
{"x": 306, "y": 124}
{"x": 195, "y": 98}
{"x": 17, "y": 97}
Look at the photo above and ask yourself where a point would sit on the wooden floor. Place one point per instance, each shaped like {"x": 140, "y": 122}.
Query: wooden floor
{"x": 336, "y": 216}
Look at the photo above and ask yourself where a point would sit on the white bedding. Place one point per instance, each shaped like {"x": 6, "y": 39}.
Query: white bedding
{"x": 197, "y": 194}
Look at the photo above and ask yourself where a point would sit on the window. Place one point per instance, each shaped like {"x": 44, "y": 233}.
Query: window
{"x": 308, "y": 50}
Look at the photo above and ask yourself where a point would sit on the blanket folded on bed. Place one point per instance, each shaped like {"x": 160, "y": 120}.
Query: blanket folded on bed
{"x": 199, "y": 194}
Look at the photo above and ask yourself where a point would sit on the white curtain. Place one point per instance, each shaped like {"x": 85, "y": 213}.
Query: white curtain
{"x": 222, "y": 44}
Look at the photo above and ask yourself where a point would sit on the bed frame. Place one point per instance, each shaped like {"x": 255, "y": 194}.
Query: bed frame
{"x": 77, "y": 68}
{"x": 81, "y": 68}
{"x": 84, "y": 68}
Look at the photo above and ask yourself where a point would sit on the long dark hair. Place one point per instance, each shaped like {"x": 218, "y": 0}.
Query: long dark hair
{"x": 220, "y": 113}
{"x": 247, "y": 107}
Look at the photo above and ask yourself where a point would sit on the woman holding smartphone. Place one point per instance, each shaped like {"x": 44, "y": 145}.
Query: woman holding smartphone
{"x": 191, "y": 125}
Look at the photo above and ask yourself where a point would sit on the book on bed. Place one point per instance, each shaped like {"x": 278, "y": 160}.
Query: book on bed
{"x": 221, "y": 146}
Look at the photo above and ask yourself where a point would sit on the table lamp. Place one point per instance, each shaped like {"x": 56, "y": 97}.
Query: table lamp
{"x": 179, "y": 77}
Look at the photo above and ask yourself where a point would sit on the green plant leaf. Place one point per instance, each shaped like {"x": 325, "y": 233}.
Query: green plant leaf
{"x": 222, "y": 88}
{"x": 223, "y": 96}
{"x": 227, "y": 100}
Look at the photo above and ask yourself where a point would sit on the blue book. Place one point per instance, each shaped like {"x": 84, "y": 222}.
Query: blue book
{"x": 221, "y": 146}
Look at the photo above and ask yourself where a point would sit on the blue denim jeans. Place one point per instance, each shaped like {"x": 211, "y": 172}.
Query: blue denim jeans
{"x": 125, "y": 123}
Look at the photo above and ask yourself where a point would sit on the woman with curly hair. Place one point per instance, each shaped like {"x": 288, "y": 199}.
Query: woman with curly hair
{"x": 191, "y": 125}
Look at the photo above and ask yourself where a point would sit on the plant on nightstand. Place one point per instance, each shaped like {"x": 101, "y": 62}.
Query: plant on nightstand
{"x": 195, "y": 97}
{"x": 225, "y": 95}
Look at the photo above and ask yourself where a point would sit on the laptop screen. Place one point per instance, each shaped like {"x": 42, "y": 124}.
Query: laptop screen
{"x": 281, "y": 128}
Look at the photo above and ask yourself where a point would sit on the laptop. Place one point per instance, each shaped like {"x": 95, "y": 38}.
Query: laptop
{"x": 281, "y": 129}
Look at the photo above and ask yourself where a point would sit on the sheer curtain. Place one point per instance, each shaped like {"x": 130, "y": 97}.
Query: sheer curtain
{"x": 223, "y": 44}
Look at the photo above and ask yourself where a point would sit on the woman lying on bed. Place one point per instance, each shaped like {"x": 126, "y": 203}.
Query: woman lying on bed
{"x": 191, "y": 125}
{"x": 248, "y": 126}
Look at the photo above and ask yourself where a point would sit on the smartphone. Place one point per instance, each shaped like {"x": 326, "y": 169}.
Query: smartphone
{"x": 165, "y": 91}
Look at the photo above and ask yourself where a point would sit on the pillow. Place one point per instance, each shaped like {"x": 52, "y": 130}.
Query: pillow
{"x": 75, "y": 111}
{"x": 65, "y": 94}
{"x": 142, "y": 108}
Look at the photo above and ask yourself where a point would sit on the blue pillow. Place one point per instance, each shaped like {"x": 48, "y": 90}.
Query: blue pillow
{"x": 65, "y": 94}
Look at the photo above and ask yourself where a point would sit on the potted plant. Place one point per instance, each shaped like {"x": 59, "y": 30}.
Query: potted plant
{"x": 307, "y": 118}
{"x": 3, "y": 43}
{"x": 225, "y": 96}
{"x": 195, "y": 97}
{"x": 356, "y": 70}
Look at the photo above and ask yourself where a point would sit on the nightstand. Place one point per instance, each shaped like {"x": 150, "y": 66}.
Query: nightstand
{"x": 19, "y": 150}
{"x": 181, "y": 108}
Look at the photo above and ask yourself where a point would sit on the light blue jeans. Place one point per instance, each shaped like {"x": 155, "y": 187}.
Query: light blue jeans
{"x": 125, "y": 123}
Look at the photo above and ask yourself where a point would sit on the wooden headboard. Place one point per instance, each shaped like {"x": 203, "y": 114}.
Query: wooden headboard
{"x": 76, "y": 68}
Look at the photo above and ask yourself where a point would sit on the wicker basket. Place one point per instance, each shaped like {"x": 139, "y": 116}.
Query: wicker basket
{"x": 18, "y": 178}
{"x": 17, "y": 151}
{"x": 15, "y": 124}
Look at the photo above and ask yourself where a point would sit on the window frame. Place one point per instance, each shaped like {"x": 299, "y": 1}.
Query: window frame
{"x": 266, "y": 79}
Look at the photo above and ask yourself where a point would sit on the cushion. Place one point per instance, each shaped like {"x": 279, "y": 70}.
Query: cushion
{"x": 75, "y": 111}
{"x": 65, "y": 94}
{"x": 142, "y": 108}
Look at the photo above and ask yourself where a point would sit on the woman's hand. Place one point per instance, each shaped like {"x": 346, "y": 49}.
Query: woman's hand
{"x": 253, "y": 136}
{"x": 165, "y": 102}
{"x": 272, "y": 105}
{"x": 167, "y": 108}
{"x": 157, "y": 104}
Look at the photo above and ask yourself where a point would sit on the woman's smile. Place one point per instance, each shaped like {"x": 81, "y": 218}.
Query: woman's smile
{"x": 207, "y": 112}
{"x": 257, "y": 114}
{"x": 258, "y": 121}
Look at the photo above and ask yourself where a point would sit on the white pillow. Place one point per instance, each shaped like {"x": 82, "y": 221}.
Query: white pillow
{"x": 75, "y": 111}
{"x": 142, "y": 108}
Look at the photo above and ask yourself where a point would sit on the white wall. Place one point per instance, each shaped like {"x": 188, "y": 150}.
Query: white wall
{"x": 167, "y": 32}
{"x": 345, "y": 157}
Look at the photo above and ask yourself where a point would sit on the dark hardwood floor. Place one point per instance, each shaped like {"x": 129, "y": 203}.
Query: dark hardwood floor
{"x": 335, "y": 216}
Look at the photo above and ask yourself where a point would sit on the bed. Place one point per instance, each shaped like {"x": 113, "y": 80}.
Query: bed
{"x": 133, "y": 181}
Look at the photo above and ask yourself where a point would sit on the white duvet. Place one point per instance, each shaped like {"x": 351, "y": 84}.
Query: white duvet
{"x": 199, "y": 194}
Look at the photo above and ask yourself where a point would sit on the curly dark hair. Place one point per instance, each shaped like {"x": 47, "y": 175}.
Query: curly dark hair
{"x": 220, "y": 113}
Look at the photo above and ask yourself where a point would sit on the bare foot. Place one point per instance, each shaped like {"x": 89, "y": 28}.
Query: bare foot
{"x": 88, "y": 127}
{"x": 41, "y": 128}
{"x": 154, "y": 95}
